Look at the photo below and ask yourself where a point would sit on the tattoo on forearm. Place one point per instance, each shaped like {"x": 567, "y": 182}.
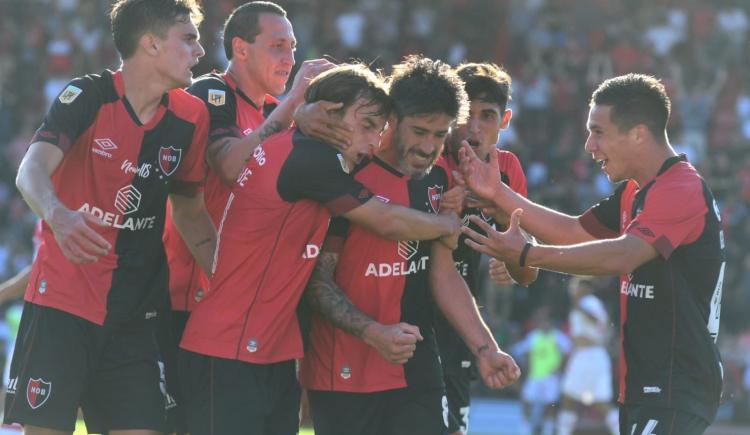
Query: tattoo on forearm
{"x": 269, "y": 128}
{"x": 329, "y": 300}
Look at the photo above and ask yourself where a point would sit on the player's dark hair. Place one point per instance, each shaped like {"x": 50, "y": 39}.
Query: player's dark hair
{"x": 421, "y": 86}
{"x": 243, "y": 22}
{"x": 635, "y": 99}
{"x": 132, "y": 18}
{"x": 486, "y": 82}
{"x": 347, "y": 83}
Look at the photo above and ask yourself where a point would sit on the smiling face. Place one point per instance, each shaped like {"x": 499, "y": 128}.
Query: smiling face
{"x": 178, "y": 53}
{"x": 367, "y": 128}
{"x": 418, "y": 142}
{"x": 608, "y": 146}
{"x": 268, "y": 60}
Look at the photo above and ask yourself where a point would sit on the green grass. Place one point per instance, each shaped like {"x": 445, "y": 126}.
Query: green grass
{"x": 81, "y": 429}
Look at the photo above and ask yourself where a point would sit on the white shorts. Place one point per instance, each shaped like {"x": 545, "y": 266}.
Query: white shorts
{"x": 588, "y": 376}
{"x": 543, "y": 390}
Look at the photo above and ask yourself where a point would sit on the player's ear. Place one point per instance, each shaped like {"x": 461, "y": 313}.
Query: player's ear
{"x": 149, "y": 43}
{"x": 506, "y": 119}
{"x": 239, "y": 48}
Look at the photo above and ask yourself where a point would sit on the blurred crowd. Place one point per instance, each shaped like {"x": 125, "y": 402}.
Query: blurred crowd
{"x": 557, "y": 51}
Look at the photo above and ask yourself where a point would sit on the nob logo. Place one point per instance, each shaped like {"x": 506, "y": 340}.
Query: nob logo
{"x": 128, "y": 199}
{"x": 408, "y": 248}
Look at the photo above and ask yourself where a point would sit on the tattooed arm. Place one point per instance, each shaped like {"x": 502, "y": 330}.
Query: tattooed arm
{"x": 396, "y": 343}
{"x": 195, "y": 226}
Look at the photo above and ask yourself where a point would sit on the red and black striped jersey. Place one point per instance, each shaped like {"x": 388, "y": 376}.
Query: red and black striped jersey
{"x": 121, "y": 171}
{"x": 389, "y": 281}
{"x": 669, "y": 306}
{"x": 454, "y": 354}
{"x": 270, "y": 235}
{"x": 232, "y": 114}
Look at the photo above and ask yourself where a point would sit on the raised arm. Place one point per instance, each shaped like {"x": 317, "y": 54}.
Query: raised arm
{"x": 228, "y": 156}
{"x": 601, "y": 257}
{"x": 396, "y": 343}
{"x": 497, "y": 368}
{"x": 543, "y": 223}
{"x": 74, "y": 230}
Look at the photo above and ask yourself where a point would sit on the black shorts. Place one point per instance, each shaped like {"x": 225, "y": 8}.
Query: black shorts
{"x": 169, "y": 333}
{"x": 62, "y": 361}
{"x": 393, "y": 412}
{"x": 647, "y": 420}
{"x": 229, "y": 397}
{"x": 458, "y": 393}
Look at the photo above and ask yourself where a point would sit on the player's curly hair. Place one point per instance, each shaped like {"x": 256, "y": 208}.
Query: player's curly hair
{"x": 486, "y": 82}
{"x": 635, "y": 99}
{"x": 348, "y": 82}
{"x": 132, "y": 18}
{"x": 420, "y": 86}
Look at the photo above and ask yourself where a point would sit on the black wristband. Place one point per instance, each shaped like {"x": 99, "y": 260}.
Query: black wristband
{"x": 524, "y": 253}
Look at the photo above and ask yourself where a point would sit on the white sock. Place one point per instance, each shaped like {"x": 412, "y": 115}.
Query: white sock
{"x": 613, "y": 421}
{"x": 566, "y": 422}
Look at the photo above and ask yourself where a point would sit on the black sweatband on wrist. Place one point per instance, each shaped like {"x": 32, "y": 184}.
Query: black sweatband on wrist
{"x": 524, "y": 253}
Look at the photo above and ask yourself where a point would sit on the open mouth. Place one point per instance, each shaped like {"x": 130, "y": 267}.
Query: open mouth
{"x": 473, "y": 143}
{"x": 602, "y": 162}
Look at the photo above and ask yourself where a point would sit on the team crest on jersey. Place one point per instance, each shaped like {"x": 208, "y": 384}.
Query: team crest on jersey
{"x": 434, "y": 194}
{"x": 69, "y": 94}
{"x": 169, "y": 159}
{"x": 37, "y": 392}
{"x": 216, "y": 97}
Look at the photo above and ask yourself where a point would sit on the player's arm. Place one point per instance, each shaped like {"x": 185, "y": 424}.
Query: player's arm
{"x": 543, "y": 223}
{"x": 396, "y": 343}
{"x": 601, "y": 257}
{"x": 396, "y": 222}
{"x": 195, "y": 226}
{"x": 498, "y": 369}
{"x": 228, "y": 156}
{"x": 74, "y": 230}
{"x": 13, "y": 288}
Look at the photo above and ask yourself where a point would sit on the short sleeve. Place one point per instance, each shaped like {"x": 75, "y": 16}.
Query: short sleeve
{"x": 510, "y": 166}
{"x": 674, "y": 213}
{"x": 192, "y": 173}
{"x": 336, "y": 236}
{"x": 71, "y": 113}
{"x": 603, "y": 219}
{"x": 315, "y": 170}
{"x": 221, "y": 102}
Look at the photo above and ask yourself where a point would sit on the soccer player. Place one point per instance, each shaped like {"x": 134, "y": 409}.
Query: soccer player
{"x": 587, "y": 380}
{"x": 242, "y": 339}
{"x": 259, "y": 43}
{"x": 364, "y": 282}
{"x": 98, "y": 171}
{"x": 660, "y": 231}
{"x": 488, "y": 87}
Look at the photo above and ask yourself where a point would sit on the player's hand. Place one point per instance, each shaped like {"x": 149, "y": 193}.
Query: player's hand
{"x": 499, "y": 272}
{"x": 319, "y": 121}
{"x": 396, "y": 343}
{"x": 483, "y": 178}
{"x": 307, "y": 71}
{"x": 505, "y": 246}
{"x": 498, "y": 369}
{"x": 453, "y": 200}
{"x": 451, "y": 240}
{"x": 76, "y": 236}
{"x": 488, "y": 208}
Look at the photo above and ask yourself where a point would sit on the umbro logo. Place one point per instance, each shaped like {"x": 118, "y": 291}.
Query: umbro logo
{"x": 103, "y": 146}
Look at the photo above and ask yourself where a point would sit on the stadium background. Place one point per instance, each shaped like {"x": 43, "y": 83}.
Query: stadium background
{"x": 556, "y": 52}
